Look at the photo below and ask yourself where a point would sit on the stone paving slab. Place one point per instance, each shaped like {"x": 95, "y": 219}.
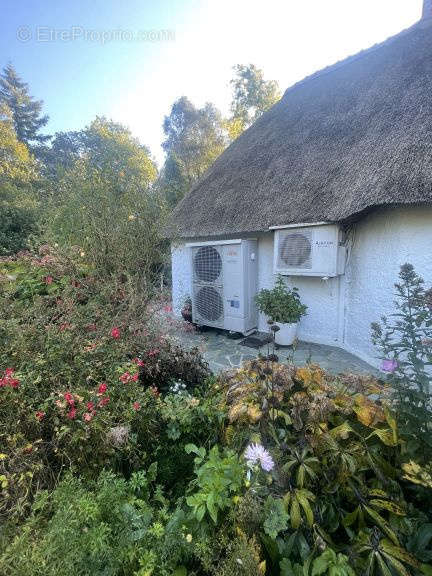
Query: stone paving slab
{"x": 223, "y": 353}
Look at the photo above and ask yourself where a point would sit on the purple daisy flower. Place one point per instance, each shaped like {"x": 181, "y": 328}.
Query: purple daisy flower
{"x": 257, "y": 454}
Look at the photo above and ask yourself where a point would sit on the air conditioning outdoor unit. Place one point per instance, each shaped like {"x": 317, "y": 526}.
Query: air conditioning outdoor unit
{"x": 224, "y": 276}
{"x": 309, "y": 251}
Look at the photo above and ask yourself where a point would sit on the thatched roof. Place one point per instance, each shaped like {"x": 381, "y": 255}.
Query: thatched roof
{"x": 353, "y": 136}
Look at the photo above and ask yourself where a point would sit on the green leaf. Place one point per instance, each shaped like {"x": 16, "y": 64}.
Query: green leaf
{"x": 399, "y": 553}
{"x": 191, "y": 448}
{"x": 383, "y": 566}
{"x": 200, "y": 512}
{"x": 379, "y": 520}
{"x": 276, "y": 517}
{"x": 398, "y": 566}
{"x": 306, "y": 508}
{"x": 211, "y": 507}
{"x": 350, "y": 518}
{"x": 295, "y": 514}
{"x": 321, "y": 563}
{"x": 388, "y": 505}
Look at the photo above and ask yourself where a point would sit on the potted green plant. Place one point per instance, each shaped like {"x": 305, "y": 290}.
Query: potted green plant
{"x": 283, "y": 307}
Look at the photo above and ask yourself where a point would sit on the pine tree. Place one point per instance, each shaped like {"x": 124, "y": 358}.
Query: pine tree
{"x": 26, "y": 111}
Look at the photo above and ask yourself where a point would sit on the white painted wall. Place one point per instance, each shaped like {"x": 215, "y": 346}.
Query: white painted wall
{"x": 181, "y": 276}
{"x": 321, "y": 297}
{"x": 341, "y": 309}
{"x": 381, "y": 243}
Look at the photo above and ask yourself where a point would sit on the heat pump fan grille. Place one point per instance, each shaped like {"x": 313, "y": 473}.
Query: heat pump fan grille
{"x": 295, "y": 250}
{"x": 207, "y": 264}
{"x": 209, "y": 304}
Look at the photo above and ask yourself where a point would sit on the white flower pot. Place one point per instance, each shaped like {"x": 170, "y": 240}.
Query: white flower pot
{"x": 287, "y": 333}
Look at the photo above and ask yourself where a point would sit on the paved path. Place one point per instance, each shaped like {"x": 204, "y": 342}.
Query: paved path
{"x": 222, "y": 353}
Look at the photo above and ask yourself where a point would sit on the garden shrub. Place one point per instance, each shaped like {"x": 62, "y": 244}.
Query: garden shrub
{"x": 170, "y": 367}
{"x": 100, "y": 528}
{"x": 405, "y": 344}
{"x": 120, "y": 453}
{"x": 68, "y": 336}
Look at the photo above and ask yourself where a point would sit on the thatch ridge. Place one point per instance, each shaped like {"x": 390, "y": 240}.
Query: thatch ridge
{"x": 352, "y": 136}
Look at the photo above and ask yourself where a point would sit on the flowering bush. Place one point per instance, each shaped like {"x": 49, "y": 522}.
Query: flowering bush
{"x": 120, "y": 453}
{"x": 405, "y": 344}
{"x": 168, "y": 363}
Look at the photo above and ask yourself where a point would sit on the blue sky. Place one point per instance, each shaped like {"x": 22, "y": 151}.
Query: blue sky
{"x": 136, "y": 81}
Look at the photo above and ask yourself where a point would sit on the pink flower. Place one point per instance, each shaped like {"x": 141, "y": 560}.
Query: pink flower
{"x": 40, "y": 415}
{"x": 8, "y": 380}
{"x": 154, "y": 352}
{"x": 168, "y": 308}
{"x": 138, "y": 362}
{"x": 115, "y": 333}
{"x": 69, "y": 398}
{"x": 13, "y": 383}
{"x": 389, "y": 365}
{"x": 135, "y": 377}
{"x": 102, "y": 389}
{"x": 104, "y": 401}
{"x": 125, "y": 377}
{"x": 136, "y": 406}
{"x": 90, "y": 406}
{"x": 48, "y": 279}
{"x": 87, "y": 416}
{"x": 72, "y": 413}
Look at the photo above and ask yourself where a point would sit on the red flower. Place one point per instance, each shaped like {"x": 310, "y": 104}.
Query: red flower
{"x": 40, "y": 415}
{"x": 125, "y": 378}
{"x": 115, "y": 333}
{"x": 136, "y": 406}
{"x": 8, "y": 380}
{"x": 69, "y": 398}
{"x": 135, "y": 377}
{"x": 138, "y": 362}
{"x": 102, "y": 388}
{"x": 48, "y": 279}
{"x": 87, "y": 416}
{"x": 72, "y": 413}
{"x": 104, "y": 401}
{"x": 90, "y": 406}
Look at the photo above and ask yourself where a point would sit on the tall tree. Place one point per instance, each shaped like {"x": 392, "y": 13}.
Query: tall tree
{"x": 251, "y": 96}
{"x": 194, "y": 138}
{"x": 17, "y": 200}
{"x": 104, "y": 201}
{"x": 26, "y": 111}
